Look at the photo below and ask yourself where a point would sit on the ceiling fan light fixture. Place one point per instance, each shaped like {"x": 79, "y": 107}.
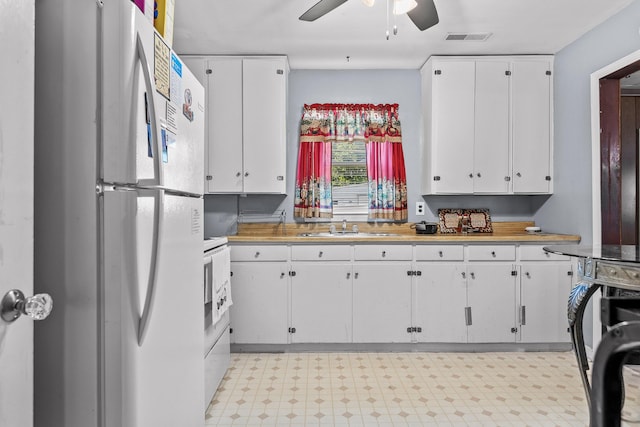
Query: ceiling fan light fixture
{"x": 368, "y": 3}
{"x": 403, "y": 6}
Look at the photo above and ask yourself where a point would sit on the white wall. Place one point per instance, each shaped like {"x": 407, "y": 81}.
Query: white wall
{"x": 361, "y": 86}
{"x": 569, "y": 210}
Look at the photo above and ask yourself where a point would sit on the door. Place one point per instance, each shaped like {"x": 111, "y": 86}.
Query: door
{"x": 381, "y": 302}
{"x": 491, "y": 295}
{"x": 259, "y": 312}
{"x": 491, "y": 147}
{"x": 16, "y": 207}
{"x": 531, "y": 126}
{"x": 544, "y": 287}
{"x": 440, "y": 300}
{"x": 224, "y": 102}
{"x": 453, "y": 126}
{"x": 141, "y": 114}
{"x": 321, "y": 302}
{"x": 263, "y": 127}
{"x": 153, "y": 309}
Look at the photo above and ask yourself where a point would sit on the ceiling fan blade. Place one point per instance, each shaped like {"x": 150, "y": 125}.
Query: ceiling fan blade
{"x": 321, "y": 8}
{"x": 424, "y": 15}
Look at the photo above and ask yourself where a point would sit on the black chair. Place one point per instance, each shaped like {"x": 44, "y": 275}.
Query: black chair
{"x": 620, "y": 345}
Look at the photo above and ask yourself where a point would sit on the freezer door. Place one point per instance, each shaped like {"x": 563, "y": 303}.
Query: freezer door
{"x": 152, "y": 107}
{"x": 158, "y": 381}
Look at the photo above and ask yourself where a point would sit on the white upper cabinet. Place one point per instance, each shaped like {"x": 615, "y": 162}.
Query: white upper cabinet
{"x": 452, "y": 122}
{"x": 487, "y": 125}
{"x": 531, "y": 120}
{"x": 491, "y": 143}
{"x": 246, "y": 126}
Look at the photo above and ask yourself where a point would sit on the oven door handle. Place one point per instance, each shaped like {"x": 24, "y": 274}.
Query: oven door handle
{"x": 208, "y": 279}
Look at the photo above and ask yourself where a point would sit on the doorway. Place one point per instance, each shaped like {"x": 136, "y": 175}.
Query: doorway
{"x": 619, "y": 100}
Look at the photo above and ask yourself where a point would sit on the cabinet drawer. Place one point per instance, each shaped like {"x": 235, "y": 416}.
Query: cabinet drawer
{"x": 382, "y": 253}
{"x": 259, "y": 253}
{"x": 536, "y": 253}
{"x": 439, "y": 253}
{"x": 321, "y": 253}
{"x": 492, "y": 253}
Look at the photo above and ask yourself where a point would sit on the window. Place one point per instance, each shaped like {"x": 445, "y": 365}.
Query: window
{"x": 350, "y": 163}
{"x": 349, "y": 179}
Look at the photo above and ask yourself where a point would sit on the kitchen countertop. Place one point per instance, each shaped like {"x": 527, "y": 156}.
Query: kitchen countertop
{"x": 503, "y": 232}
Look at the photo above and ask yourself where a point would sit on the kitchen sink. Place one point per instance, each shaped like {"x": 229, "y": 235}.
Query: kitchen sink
{"x": 347, "y": 234}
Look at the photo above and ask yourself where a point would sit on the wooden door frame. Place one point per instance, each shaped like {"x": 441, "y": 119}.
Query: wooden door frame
{"x": 617, "y": 69}
{"x": 622, "y": 66}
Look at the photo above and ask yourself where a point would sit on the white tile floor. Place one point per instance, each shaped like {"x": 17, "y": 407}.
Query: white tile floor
{"x": 405, "y": 389}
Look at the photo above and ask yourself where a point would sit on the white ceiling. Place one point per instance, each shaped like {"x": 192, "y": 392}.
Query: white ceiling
{"x": 272, "y": 27}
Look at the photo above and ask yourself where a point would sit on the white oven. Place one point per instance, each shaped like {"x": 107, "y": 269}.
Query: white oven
{"x": 217, "y": 300}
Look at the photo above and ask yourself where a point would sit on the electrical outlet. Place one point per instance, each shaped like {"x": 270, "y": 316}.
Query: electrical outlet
{"x": 419, "y": 208}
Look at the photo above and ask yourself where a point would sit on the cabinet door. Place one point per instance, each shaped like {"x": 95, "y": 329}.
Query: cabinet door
{"x": 491, "y": 294}
{"x": 544, "y": 291}
{"x": 381, "y": 302}
{"x": 531, "y": 123}
{"x": 264, "y": 126}
{"x": 259, "y": 312}
{"x": 491, "y": 146}
{"x": 223, "y": 170}
{"x": 453, "y": 126}
{"x": 321, "y": 302}
{"x": 440, "y": 300}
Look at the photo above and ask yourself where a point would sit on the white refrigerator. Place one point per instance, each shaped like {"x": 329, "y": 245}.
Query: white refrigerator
{"x": 119, "y": 231}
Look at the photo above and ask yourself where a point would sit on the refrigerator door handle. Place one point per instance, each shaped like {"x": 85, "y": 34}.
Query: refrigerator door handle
{"x": 155, "y": 265}
{"x": 158, "y": 179}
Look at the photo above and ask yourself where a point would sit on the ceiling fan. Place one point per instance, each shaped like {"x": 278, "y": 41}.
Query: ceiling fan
{"x": 423, "y": 13}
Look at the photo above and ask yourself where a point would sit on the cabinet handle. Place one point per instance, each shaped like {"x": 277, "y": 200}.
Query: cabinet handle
{"x": 464, "y": 275}
{"x": 528, "y": 275}
{"x": 348, "y": 275}
{"x": 467, "y": 316}
{"x": 518, "y": 174}
{"x": 320, "y": 254}
{"x": 257, "y": 255}
{"x": 479, "y": 176}
{"x": 246, "y": 174}
{"x": 356, "y": 275}
{"x": 384, "y": 254}
{"x": 507, "y": 178}
{"x": 470, "y": 175}
{"x": 238, "y": 174}
{"x": 523, "y": 317}
{"x": 440, "y": 253}
{"x": 493, "y": 254}
{"x": 473, "y": 275}
{"x": 281, "y": 275}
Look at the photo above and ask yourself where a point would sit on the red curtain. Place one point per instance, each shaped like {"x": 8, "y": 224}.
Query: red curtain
{"x": 379, "y": 127}
{"x": 385, "y": 165}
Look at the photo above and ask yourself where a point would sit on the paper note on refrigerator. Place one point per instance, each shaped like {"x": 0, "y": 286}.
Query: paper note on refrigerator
{"x": 162, "y": 68}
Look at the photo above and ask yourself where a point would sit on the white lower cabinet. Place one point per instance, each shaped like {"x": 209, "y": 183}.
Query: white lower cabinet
{"x": 491, "y": 302}
{"x": 544, "y": 292}
{"x": 398, "y": 294}
{"x": 439, "y": 302}
{"x": 260, "y": 304}
{"x": 381, "y": 302}
{"x": 321, "y": 302}
{"x": 259, "y": 290}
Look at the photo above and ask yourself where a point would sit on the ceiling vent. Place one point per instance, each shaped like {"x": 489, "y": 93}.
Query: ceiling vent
{"x": 476, "y": 37}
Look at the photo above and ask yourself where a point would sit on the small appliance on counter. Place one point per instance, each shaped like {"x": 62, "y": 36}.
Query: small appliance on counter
{"x": 425, "y": 227}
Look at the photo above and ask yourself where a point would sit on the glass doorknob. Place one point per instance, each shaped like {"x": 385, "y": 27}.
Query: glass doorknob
{"x": 14, "y": 304}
